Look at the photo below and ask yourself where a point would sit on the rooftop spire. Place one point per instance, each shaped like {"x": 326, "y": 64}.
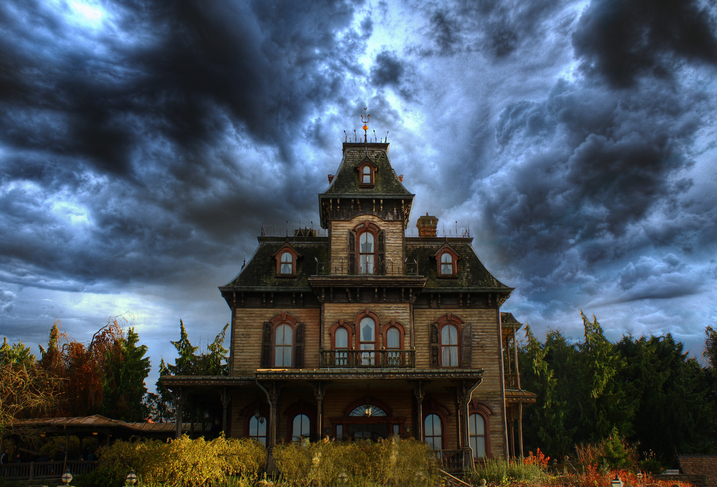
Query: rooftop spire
{"x": 365, "y": 125}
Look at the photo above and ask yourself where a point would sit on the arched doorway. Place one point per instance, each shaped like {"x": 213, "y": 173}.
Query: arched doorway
{"x": 367, "y": 418}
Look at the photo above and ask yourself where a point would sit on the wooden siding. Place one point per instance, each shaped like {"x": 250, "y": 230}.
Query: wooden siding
{"x": 247, "y": 337}
{"x": 339, "y": 230}
{"x": 486, "y": 355}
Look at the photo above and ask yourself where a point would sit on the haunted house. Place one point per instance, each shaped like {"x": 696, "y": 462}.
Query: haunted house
{"x": 365, "y": 332}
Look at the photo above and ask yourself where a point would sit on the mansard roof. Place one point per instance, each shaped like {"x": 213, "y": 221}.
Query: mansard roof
{"x": 471, "y": 274}
{"x": 346, "y": 181}
{"x": 260, "y": 271}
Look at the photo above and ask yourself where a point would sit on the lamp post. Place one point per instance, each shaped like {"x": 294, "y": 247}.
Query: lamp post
{"x": 131, "y": 478}
{"x": 66, "y": 477}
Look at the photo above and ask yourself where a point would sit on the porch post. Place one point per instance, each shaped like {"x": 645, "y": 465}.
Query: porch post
{"x": 179, "y": 405}
{"x": 459, "y": 421}
{"x": 419, "y": 390}
{"x": 273, "y": 416}
{"x": 520, "y": 428}
{"x": 319, "y": 392}
{"x": 226, "y": 398}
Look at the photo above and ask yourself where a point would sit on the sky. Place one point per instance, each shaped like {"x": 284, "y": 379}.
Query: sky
{"x": 144, "y": 146}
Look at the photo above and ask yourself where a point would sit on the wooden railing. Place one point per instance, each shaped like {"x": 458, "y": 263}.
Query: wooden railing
{"x": 454, "y": 460}
{"x": 511, "y": 381}
{"x": 369, "y": 358}
{"x": 44, "y": 470}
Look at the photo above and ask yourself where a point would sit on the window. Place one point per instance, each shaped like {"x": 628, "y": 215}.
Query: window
{"x": 366, "y": 175}
{"x": 367, "y": 340}
{"x": 301, "y": 427}
{"x": 393, "y": 342}
{"x": 476, "y": 429}
{"x": 433, "y": 432}
{"x": 449, "y": 346}
{"x": 341, "y": 347}
{"x": 367, "y": 253}
{"x": 446, "y": 263}
{"x": 286, "y": 258}
{"x": 287, "y": 263}
{"x": 283, "y": 346}
{"x": 257, "y": 429}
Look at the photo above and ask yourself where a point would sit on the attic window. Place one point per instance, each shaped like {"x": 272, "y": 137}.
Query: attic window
{"x": 286, "y": 259}
{"x": 447, "y": 263}
{"x": 367, "y": 174}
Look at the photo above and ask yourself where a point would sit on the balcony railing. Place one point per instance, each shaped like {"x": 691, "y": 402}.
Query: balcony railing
{"x": 511, "y": 381}
{"x": 382, "y": 268}
{"x": 369, "y": 358}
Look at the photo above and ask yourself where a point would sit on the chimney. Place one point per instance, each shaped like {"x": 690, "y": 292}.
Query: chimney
{"x": 427, "y": 226}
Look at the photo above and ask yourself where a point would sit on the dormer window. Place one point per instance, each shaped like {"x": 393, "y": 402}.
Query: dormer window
{"x": 286, "y": 258}
{"x": 447, "y": 261}
{"x": 367, "y": 173}
{"x": 286, "y": 263}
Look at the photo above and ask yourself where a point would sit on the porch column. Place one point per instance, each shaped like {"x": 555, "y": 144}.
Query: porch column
{"x": 179, "y": 406}
{"x": 319, "y": 392}
{"x": 520, "y": 428}
{"x": 419, "y": 390}
{"x": 226, "y": 399}
{"x": 459, "y": 421}
{"x": 273, "y": 413}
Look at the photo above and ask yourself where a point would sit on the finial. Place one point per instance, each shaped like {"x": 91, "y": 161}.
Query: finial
{"x": 365, "y": 125}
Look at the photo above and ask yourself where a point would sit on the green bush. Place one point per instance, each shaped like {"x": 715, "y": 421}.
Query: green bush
{"x": 179, "y": 463}
{"x": 360, "y": 463}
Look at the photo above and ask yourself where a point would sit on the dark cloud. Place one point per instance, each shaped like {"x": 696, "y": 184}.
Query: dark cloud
{"x": 622, "y": 40}
{"x": 387, "y": 70}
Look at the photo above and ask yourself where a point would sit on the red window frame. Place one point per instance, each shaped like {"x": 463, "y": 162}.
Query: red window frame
{"x": 439, "y": 263}
{"x": 278, "y": 256}
{"x": 373, "y": 254}
{"x": 366, "y": 164}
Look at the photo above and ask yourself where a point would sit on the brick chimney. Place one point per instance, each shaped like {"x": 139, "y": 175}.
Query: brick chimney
{"x": 427, "y": 226}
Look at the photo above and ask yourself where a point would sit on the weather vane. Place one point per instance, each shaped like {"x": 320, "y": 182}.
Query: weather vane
{"x": 365, "y": 125}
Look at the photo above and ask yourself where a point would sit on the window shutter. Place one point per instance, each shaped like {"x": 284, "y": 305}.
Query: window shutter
{"x": 381, "y": 252}
{"x": 435, "y": 350}
{"x": 266, "y": 346}
{"x": 466, "y": 346}
{"x": 299, "y": 346}
{"x": 352, "y": 252}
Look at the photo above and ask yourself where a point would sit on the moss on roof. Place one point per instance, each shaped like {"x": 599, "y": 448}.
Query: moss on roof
{"x": 346, "y": 180}
{"x": 260, "y": 271}
{"x": 471, "y": 273}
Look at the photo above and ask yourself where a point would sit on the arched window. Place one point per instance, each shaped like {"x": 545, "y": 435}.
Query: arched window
{"x": 287, "y": 263}
{"x": 341, "y": 347}
{"x": 433, "y": 431}
{"x": 367, "y": 253}
{"x": 366, "y": 175}
{"x": 367, "y": 340}
{"x": 393, "y": 342}
{"x": 301, "y": 427}
{"x": 283, "y": 346}
{"x": 257, "y": 429}
{"x": 449, "y": 346}
{"x": 286, "y": 258}
{"x": 476, "y": 429}
{"x": 446, "y": 264}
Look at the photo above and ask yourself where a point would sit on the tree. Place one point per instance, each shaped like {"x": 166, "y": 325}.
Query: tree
{"x": 25, "y": 388}
{"x": 126, "y": 369}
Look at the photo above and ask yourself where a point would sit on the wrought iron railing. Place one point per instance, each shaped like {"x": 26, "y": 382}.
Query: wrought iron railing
{"x": 368, "y": 358}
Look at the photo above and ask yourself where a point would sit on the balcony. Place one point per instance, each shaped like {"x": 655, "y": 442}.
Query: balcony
{"x": 389, "y": 359}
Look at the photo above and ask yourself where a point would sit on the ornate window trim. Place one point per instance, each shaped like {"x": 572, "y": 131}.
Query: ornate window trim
{"x": 463, "y": 345}
{"x": 281, "y": 262}
{"x": 366, "y": 173}
{"x": 367, "y": 358}
{"x": 445, "y": 257}
{"x": 269, "y": 345}
{"x": 342, "y": 358}
{"x": 379, "y": 249}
